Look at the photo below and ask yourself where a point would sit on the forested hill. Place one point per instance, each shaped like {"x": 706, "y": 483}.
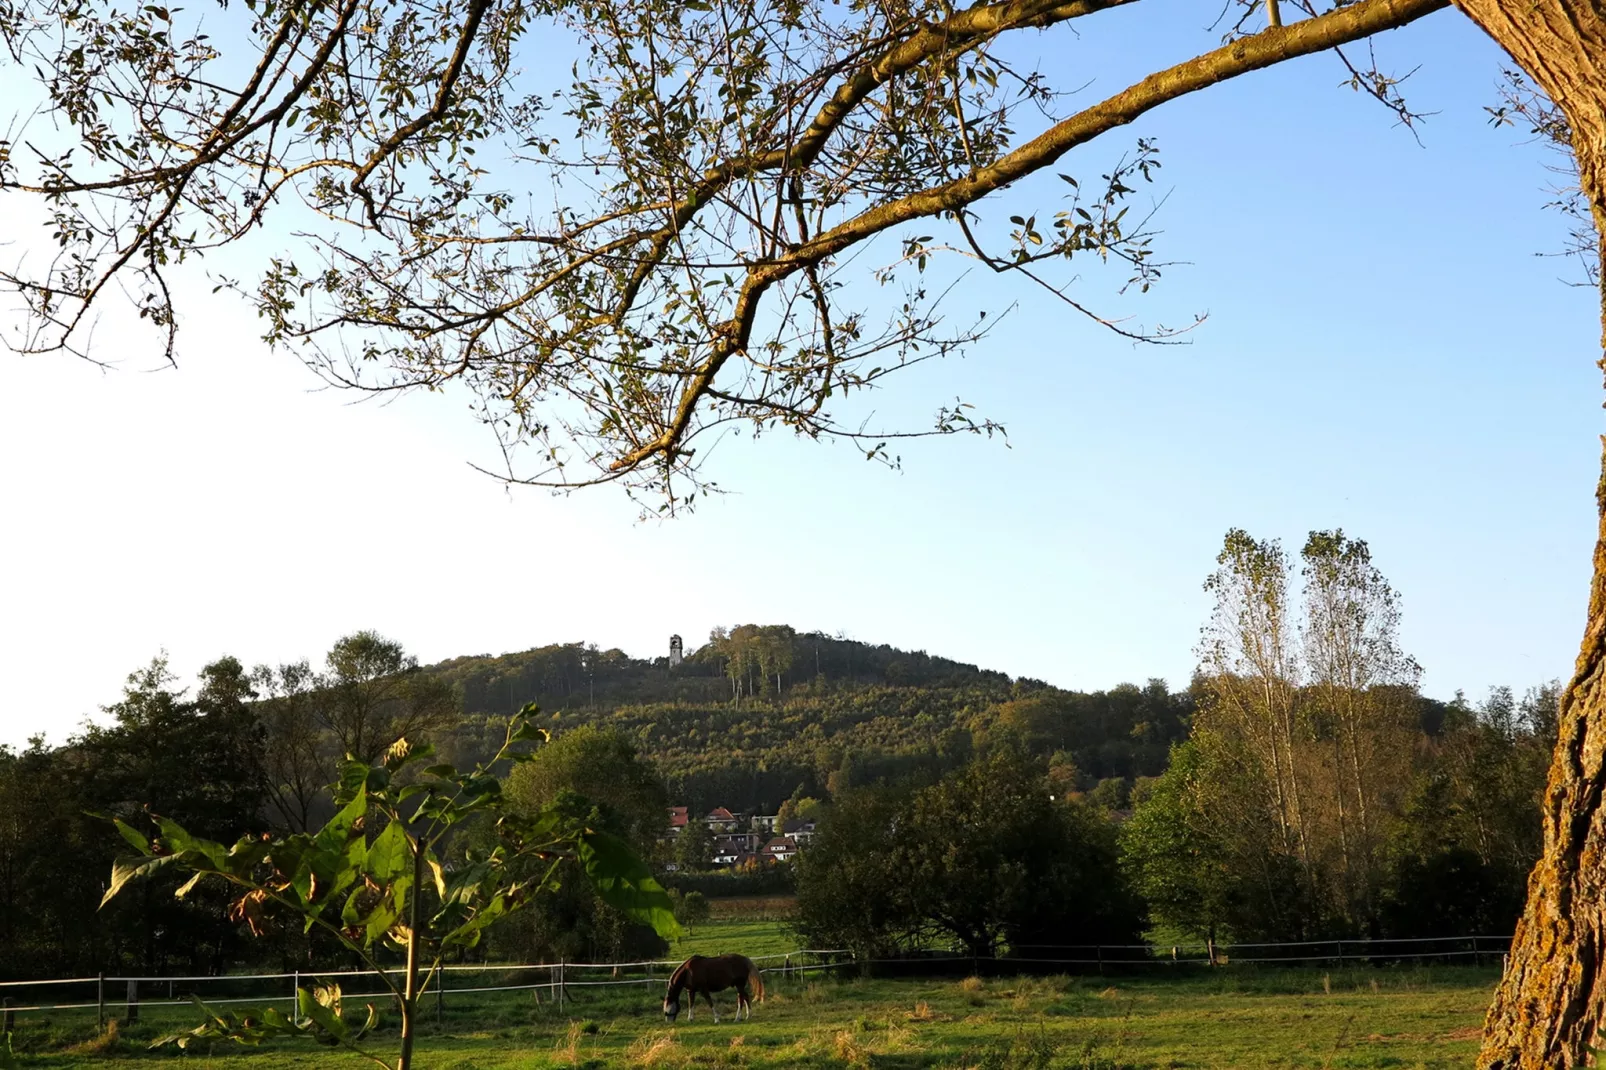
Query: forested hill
{"x": 759, "y": 714}
{"x": 747, "y": 659}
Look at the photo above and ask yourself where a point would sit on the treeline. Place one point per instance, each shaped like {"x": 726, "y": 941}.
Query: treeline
{"x": 1316, "y": 795}
{"x": 1299, "y": 787}
{"x": 760, "y": 714}
{"x": 745, "y": 660}
{"x": 249, "y": 751}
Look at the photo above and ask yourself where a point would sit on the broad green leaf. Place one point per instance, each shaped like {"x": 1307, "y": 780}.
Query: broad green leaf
{"x": 468, "y": 934}
{"x": 390, "y": 855}
{"x": 351, "y": 779}
{"x": 127, "y": 869}
{"x": 247, "y": 854}
{"x": 329, "y": 1020}
{"x": 188, "y": 886}
{"x": 135, "y": 839}
{"x": 379, "y": 921}
{"x": 625, "y": 883}
{"x": 353, "y": 861}
{"x": 529, "y": 733}
{"x": 439, "y": 873}
{"x": 178, "y": 840}
{"x": 334, "y": 835}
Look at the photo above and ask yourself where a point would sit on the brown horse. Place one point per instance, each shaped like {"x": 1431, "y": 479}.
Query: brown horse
{"x": 704, "y": 976}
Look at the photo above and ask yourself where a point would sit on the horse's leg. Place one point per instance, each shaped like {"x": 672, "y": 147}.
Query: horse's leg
{"x": 709, "y": 995}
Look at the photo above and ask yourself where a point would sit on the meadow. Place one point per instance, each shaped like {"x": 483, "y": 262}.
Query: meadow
{"x": 1240, "y": 1017}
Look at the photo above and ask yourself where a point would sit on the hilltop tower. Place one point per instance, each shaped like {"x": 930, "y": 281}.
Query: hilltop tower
{"x": 675, "y": 651}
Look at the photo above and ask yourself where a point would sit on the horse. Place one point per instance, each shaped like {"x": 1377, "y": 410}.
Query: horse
{"x": 702, "y": 975}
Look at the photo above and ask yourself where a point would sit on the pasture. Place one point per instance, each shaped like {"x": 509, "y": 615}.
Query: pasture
{"x": 1423, "y": 1018}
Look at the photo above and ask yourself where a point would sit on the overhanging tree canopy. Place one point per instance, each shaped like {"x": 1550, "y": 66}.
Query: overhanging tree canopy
{"x": 713, "y": 167}
{"x": 703, "y": 181}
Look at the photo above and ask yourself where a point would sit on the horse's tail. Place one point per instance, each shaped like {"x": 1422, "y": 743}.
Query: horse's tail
{"x": 756, "y": 978}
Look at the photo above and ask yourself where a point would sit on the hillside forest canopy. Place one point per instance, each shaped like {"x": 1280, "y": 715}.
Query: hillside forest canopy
{"x": 1320, "y": 795}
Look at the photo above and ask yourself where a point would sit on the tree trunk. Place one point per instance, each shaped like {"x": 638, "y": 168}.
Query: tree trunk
{"x": 1547, "y": 1012}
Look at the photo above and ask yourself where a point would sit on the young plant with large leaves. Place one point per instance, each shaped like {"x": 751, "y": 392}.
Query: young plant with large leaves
{"x": 378, "y": 878}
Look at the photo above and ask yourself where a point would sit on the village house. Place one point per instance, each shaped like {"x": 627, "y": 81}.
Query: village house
{"x": 762, "y": 839}
{"x": 720, "y": 819}
{"x": 780, "y": 849}
{"x": 800, "y": 830}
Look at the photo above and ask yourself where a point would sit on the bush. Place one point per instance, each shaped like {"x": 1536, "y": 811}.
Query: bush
{"x": 767, "y": 880}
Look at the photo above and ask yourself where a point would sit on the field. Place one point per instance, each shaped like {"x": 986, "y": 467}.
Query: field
{"x": 1229, "y": 1019}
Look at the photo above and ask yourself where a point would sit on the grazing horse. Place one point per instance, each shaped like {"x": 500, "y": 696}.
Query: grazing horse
{"x": 704, "y": 976}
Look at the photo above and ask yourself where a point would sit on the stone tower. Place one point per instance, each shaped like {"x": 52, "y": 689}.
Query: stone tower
{"x": 675, "y": 651}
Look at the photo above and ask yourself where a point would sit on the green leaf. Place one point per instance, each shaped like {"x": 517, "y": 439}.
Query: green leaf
{"x": 138, "y": 842}
{"x": 178, "y": 840}
{"x": 328, "y": 1020}
{"x": 379, "y": 920}
{"x": 390, "y": 855}
{"x": 352, "y": 778}
{"x": 625, "y": 883}
{"x": 188, "y": 886}
{"x": 334, "y": 835}
{"x": 127, "y": 869}
{"x": 529, "y": 733}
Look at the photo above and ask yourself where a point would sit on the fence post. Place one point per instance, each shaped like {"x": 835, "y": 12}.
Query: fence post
{"x": 1098, "y": 950}
{"x": 1210, "y": 950}
{"x": 8, "y": 1017}
{"x": 563, "y": 990}
{"x": 440, "y": 996}
{"x": 1341, "y": 952}
{"x": 131, "y": 1014}
{"x": 100, "y": 1000}
{"x": 1477, "y": 958}
{"x": 295, "y": 996}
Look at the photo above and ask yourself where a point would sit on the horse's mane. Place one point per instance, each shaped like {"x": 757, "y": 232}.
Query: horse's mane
{"x": 682, "y": 975}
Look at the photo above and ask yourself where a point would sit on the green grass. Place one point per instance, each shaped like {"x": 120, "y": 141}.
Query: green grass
{"x": 1233, "y": 1019}
{"x": 750, "y": 938}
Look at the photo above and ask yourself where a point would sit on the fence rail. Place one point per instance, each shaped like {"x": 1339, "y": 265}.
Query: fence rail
{"x": 556, "y": 980}
{"x": 142, "y": 991}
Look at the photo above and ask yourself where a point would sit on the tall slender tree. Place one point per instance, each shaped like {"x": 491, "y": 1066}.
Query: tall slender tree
{"x": 1362, "y": 686}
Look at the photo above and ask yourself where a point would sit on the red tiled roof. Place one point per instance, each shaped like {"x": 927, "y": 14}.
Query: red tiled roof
{"x": 677, "y": 817}
{"x": 719, "y": 813}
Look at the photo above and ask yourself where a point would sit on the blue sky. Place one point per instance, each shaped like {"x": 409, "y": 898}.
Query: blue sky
{"x": 1384, "y": 352}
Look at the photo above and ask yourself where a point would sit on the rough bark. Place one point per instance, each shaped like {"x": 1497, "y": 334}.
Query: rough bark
{"x": 1547, "y": 1012}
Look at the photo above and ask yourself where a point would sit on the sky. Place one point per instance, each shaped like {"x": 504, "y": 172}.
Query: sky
{"x": 1383, "y": 352}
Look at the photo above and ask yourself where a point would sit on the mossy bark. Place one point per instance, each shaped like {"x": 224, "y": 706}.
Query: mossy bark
{"x": 1547, "y": 1012}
